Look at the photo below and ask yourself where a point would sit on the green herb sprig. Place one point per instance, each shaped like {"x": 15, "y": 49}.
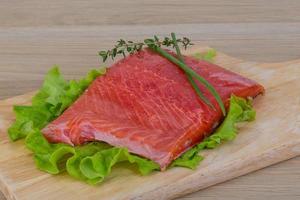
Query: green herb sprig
{"x": 122, "y": 47}
{"x": 129, "y": 47}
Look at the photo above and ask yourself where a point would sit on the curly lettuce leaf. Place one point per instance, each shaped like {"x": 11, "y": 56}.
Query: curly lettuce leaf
{"x": 90, "y": 162}
{"x": 73, "y": 164}
{"x": 51, "y": 100}
{"x": 48, "y": 157}
{"x": 27, "y": 117}
{"x": 94, "y": 161}
{"x": 96, "y": 167}
{"x": 207, "y": 56}
{"x": 240, "y": 110}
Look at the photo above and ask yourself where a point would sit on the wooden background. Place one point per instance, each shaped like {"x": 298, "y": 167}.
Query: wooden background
{"x": 35, "y": 34}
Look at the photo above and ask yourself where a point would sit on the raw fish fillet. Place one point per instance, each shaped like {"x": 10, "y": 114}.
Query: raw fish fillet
{"x": 145, "y": 103}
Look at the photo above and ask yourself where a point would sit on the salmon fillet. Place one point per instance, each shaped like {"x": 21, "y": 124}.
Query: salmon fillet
{"x": 146, "y": 104}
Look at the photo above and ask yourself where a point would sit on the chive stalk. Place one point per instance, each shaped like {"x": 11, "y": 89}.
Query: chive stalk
{"x": 189, "y": 77}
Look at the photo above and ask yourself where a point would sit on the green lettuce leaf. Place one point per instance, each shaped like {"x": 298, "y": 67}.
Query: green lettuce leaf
{"x": 91, "y": 162}
{"x": 240, "y": 110}
{"x": 51, "y": 100}
{"x": 207, "y": 56}
{"x": 96, "y": 167}
{"x": 27, "y": 117}
{"x": 94, "y": 161}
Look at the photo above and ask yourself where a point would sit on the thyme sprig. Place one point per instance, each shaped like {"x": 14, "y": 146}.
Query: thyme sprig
{"x": 122, "y": 47}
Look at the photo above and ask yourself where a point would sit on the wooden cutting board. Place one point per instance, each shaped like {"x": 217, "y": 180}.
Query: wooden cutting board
{"x": 273, "y": 137}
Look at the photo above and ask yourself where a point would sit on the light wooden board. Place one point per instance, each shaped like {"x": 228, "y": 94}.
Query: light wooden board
{"x": 273, "y": 137}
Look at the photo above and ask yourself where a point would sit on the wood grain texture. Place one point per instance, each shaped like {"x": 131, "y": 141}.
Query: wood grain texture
{"x": 35, "y": 34}
{"x": 132, "y": 12}
{"x": 268, "y": 140}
